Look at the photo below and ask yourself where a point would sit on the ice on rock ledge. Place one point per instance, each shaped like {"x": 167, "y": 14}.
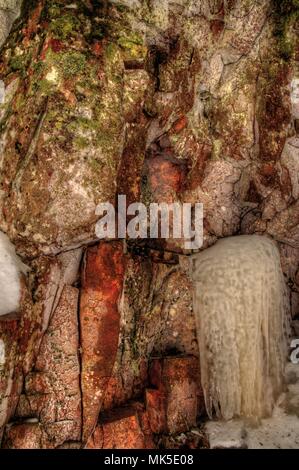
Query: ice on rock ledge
{"x": 11, "y": 268}
{"x": 241, "y": 310}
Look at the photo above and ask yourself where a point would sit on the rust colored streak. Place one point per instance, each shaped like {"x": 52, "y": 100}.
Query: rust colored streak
{"x": 99, "y": 323}
{"x": 269, "y": 174}
{"x": 130, "y": 169}
{"x": 97, "y": 49}
{"x": 166, "y": 177}
{"x": 55, "y": 44}
{"x": 180, "y": 124}
{"x": 217, "y": 26}
{"x": 196, "y": 175}
{"x": 33, "y": 23}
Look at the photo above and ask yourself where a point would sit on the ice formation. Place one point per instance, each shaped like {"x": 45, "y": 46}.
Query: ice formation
{"x": 11, "y": 268}
{"x": 240, "y": 305}
{"x": 295, "y": 97}
{"x": 280, "y": 431}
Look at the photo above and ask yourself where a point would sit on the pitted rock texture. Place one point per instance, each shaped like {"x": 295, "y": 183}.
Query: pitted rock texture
{"x": 131, "y": 309}
{"x": 241, "y": 308}
{"x": 102, "y": 287}
{"x": 52, "y": 391}
{"x": 162, "y": 101}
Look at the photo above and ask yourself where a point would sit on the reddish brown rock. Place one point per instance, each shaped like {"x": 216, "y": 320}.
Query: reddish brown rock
{"x": 123, "y": 434}
{"x": 273, "y": 110}
{"x": 18, "y": 339}
{"x": 178, "y": 381}
{"x": 125, "y": 428}
{"x": 159, "y": 296}
{"x": 180, "y": 124}
{"x": 156, "y": 410}
{"x": 52, "y": 392}
{"x": 166, "y": 176}
{"x": 174, "y": 108}
{"x": 24, "y": 436}
{"x": 102, "y": 285}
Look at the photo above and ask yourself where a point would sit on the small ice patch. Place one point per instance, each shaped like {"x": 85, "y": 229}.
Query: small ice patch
{"x": 2, "y": 352}
{"x": 2, "y": 92}
{"x": 11, "y": 267}
{"x": 295, "y": 97}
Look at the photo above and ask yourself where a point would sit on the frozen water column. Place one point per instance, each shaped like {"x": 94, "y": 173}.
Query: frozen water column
{"x": 241, "y": 310}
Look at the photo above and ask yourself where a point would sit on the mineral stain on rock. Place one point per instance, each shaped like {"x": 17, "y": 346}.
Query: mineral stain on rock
{"x": 99, "y": 325}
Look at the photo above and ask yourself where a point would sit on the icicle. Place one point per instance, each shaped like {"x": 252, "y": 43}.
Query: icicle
{"x": 241, "y": 312}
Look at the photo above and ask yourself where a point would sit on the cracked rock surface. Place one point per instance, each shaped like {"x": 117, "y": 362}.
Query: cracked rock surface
{"x": 163, "y": 101}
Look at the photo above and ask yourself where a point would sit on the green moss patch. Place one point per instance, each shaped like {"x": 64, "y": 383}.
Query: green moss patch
{"x": 65, "y": 26}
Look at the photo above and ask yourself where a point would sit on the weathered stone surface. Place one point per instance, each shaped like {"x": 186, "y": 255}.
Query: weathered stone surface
{"x": 99, "y": 325}
{"x": 23, "y": 436}
{"x": 177, "y": 379}
{"x": 123, "y": 428}
{"x": 18, "y": 338}
{"x": 156, "y": 409}
{"x": 57, "y": 207}
{"x": 156, "y": 319}
{"x": 163, "y": 102}
{"x": 290, "y": 161}
{"x": 52, "y": 392}
{"x": 176, "y": 94}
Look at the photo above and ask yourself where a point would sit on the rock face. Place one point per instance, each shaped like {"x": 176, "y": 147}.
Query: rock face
{"x": 100, "y": 325}
{"x": 162, "y": 102}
